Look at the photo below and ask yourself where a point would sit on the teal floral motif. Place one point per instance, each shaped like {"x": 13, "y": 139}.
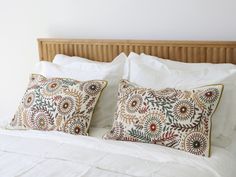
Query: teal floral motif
{"x": 184, "y": 110}
{"x": 52, "y": 88}
{"x": 75, "y": 126}
{"x": 196, "y": 143}
{"x": 210, "y": 95}
{"x": 134, "y": 103}
{"x": 92, "y": 88}
{"x": 66, "y": 105}
{"x": 152, "y": 126}
{"x": 29, "y": 99}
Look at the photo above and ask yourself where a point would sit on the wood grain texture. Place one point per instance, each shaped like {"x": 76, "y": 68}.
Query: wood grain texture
{"x": 107, "y": 50}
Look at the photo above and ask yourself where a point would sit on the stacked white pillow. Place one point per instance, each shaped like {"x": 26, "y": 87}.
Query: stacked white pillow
{"x": 153, "y": 72}
{"x": 83, "y": 70}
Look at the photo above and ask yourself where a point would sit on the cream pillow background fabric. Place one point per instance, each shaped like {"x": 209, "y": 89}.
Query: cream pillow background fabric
{"x": 60, "y": 104}
{"x": 153, "y": 72}
{"x": 83, "y": 69}
{"x": 179, "y": 119}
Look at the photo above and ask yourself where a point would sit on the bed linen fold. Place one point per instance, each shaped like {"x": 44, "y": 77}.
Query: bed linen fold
{"x": 33, "y": 153}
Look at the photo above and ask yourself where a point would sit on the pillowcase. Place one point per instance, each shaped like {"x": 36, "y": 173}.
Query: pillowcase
{"x": 58, "y": 104}
{"x": 175, "y": 118}
{"x": 84, "y": 70}
{"x": 153, "y": 72}
{"x": 62, "y": 59}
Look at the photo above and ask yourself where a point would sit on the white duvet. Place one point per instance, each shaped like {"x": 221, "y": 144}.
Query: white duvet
{"x": 44, "y": 154}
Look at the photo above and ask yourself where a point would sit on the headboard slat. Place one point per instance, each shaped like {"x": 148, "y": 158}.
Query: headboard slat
{"x": 106, "y": 50}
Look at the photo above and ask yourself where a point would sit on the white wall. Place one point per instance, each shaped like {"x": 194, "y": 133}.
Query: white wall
{"x": 22, "y": 21}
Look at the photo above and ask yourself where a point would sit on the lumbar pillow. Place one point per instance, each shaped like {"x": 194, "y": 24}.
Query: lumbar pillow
{"x": 180, "y": 119}
{"x": 58, "y": 104}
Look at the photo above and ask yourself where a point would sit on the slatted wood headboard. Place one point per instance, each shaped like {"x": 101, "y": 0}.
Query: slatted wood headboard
{"x": 106, "y": 50}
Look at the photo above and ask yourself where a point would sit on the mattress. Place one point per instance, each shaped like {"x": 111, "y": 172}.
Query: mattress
{"x": 34, "y": 153}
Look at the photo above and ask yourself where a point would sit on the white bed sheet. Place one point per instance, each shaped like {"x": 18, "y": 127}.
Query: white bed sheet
{"x": 43, "y": 154}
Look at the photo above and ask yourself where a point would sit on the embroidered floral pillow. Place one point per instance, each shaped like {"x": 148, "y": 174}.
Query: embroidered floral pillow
{"x": 58, "y": 104}
{"x": 170, "y": 117}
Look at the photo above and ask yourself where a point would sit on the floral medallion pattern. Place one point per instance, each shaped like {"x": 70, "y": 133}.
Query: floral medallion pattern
{"x": 180, "y": 119}
{"x": 58, "y": 104}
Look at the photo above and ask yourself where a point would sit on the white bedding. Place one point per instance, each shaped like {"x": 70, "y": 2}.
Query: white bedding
{"x": 34, "y": 153}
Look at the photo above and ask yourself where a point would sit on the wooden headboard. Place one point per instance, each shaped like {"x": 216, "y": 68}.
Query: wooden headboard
{"x": 107, "y": 50}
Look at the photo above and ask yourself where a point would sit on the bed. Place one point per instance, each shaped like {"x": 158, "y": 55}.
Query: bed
{"x": 36, "y": 153}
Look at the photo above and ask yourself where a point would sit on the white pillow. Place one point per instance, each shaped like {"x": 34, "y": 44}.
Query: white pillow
{"x": 61, "y": 59}
{"x": 86, "y": 70}
{"x": 153, "y": 72}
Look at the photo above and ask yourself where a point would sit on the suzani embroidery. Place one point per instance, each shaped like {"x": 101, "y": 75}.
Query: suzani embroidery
{"x": 170, "y": 117}
{"x": 58, "y": 104}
